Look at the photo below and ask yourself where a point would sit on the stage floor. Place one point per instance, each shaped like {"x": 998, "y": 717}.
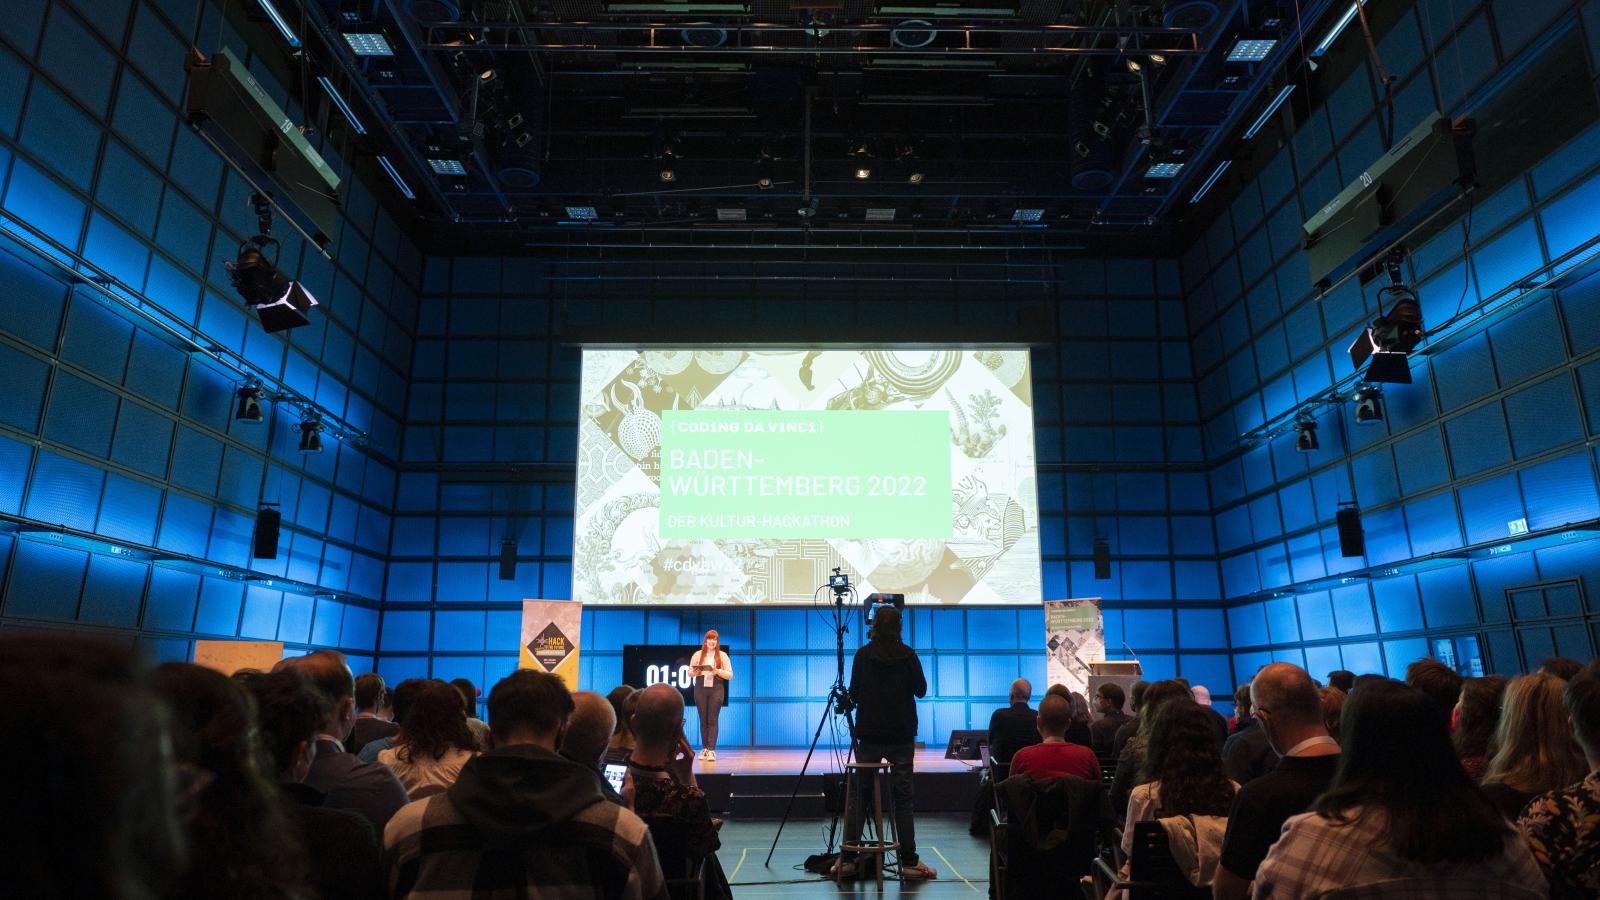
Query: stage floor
{"x": 787, "y": 761}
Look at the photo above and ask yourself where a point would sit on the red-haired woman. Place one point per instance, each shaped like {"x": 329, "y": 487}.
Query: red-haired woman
{"x": 712, "y": 669}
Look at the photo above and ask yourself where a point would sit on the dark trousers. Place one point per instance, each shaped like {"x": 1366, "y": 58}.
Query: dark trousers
{"x": 900, "y": 790}
{"x": 708, "y": 700}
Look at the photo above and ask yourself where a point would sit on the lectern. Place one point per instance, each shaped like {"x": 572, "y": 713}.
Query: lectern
{"x": 1114, "y": 671}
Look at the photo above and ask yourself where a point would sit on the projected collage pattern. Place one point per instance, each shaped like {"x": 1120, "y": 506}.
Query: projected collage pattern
{"x": 848, "y": 421}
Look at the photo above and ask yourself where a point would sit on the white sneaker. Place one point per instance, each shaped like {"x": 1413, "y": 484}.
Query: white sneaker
{"x": 711, "y": 756}
{"x": 702, "y": 754}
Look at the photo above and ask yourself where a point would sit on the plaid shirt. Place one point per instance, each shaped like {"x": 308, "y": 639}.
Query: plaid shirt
{"x": 1315, "y": 856}
{"x": 604, "y": 853}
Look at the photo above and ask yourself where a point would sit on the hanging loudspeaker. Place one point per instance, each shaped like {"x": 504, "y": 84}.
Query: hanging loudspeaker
{"x": 508, "y": 560}
{"x": 265, "y": 544}
{"x": 1352, "y": 540}
{"x": 1102, "y": 560}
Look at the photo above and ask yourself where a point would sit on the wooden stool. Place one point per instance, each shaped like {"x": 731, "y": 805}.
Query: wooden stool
{"x": 877, "y": 846}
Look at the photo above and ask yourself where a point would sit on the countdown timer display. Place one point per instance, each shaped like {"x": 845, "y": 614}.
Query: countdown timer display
{"x": 644, "y": 665}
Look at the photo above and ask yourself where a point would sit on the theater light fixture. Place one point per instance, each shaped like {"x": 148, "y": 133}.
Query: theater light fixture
{"x": 280, "y": 301}
{"x": 368, "y": 44}
{"x": 310, "y": 429}
{"x": 279, "y": 22}
{"x": 1305, "y": 436}
{"x": 915, "y": 177}
{"x": 248, "y": 408}
{"x": 1266, "y": 114}
{"x": 669, "y": 175}
{"x": 1393, "y": 334}
{"x": 1164, "y": 170}
{"x": 344, "y": 108}
{"x": 1369, "y": 406}
{"x": 1251, "y": 49}
{"x": 1338, "y": 28}
{"x": 863, "y": 173}
{"x": 394, "y": 175}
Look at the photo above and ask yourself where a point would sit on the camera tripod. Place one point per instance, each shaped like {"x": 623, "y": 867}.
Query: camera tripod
{"x": 839, "y": 703}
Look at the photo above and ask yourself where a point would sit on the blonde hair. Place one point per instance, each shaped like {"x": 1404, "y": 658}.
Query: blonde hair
{"x": 1534, "y": 748}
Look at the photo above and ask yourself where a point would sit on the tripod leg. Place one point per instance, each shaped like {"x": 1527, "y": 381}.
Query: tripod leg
{"x": 798, "y": 779}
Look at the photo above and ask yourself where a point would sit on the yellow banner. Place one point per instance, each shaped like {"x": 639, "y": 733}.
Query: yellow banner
{"x": 550, "y": 638}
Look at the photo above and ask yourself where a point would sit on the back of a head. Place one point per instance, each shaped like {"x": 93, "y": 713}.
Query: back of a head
{"x": 405, "y": 693}
{"x": 617, "y": 697}
{"x": 1534, "y": 748}
{"x": 1480, "y": 714}
{"x": 1286, "y": 693}
{"x": 241, "y": 816}
{"x": 91, "y": 809}
{"x": 327, "y": 669}
{"x": 435, "y": 724}
{"x": 528, "y": 704}
{"x": 1342, "y": 679}
{"x": 1080, "y": 706}
{"x": 1112, "y": 693}
{"x": 1137, "y": 695}
{"x": 469, "y": 695}
{"x": 1021, "y": 691}
{"x": 1158, "y": 695}
{"x": 1583, "y": 707}
{"x": 1438, "y": 681}
{"x": 1055, "y": 715}
{"x": 658, "y": 715}
{"x": 1397, "y": 761}
{"x": 1241, "y": 700}
{"x": 886, "y": 625}
{"x": 1059, "y": 690}
{"x": 1561, "y": 667}
{"x": 370, "y": 692}
{"x": 1184, "y": 757}
{"x": 291, "y": 710}
{"x": 1333, "y": 710}
{"x": 589, "y": 728}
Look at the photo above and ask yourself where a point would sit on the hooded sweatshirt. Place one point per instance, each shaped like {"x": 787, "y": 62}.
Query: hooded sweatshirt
{"x": 886, "y": 678}
{"x": 521, "y": 818}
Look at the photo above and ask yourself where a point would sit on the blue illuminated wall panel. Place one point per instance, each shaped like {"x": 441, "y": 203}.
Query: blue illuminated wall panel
{"x": 1494, "y": 436}
{"x": 109, "y": 428}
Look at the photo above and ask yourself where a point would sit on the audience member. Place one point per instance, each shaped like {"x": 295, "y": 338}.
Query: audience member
{"x": 589, "y": 729}
{"x": 1247, "y": 754}
{"x": 1013, "y": 727}
{"x": 1563, "y": 827}
{"x": 1183, "y": 777}
{"x": 623, "y": 699}
{"x": 1288, "y": 712}
{"x": 1241, "y": 708}
{"x": 1438, "y": 682}
{"x": 1131, "y": 727}
{"x": 1400, "y": 806}
{"x": 1055, "y": 755}
{"x": 1561, "y": 667}
{"x": 1533, "y": 747}
{"x": 1078, "y": 732}
{"x": 434, "y": 742}
{"x": 1130, "y": 763}
{"x": 342, "y": 844}
{"x": 1476, "y": 715}
{"x": 1219, "y": 722}
{"x": 345, "y": 782}
{"x": 1342, "y": 679}
{"x": 241, "y": 840}
{"x": 375, "y": 716}
{"x": 665, "y": 794}
{"x": 91, "y": 807}
{"x": 469, "y": 693}
{"x": 1332, "y": 709}
{"x": 886, "y": 678}
{"x": 402, "y": 695}
{"x": 1108, "y": 700}
{"x": 521, "y": 820}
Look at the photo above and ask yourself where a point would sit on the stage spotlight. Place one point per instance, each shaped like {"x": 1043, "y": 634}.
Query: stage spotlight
{"x": 310, "y": 429}
{"x": 1369, "y": 406}
{"x": 915, "y": 178}
{"x": 1134, "y": 67}
{"x": 1305, "y": 436}
{"x": 863, "y": 173}
{"x": 281, "y": 302}
{"x": 668, "y": 175}
{"x": 1393, "y": 334}
{"x": 764, "y": 184}
{"x": 249, "y": 405}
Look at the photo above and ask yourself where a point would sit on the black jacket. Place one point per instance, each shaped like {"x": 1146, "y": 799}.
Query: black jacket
{"x": 885, "y": 679}
{"x": 340, "y": 844}
{"x": 1051, "y": 826}
{"x": 1010, "y": 729}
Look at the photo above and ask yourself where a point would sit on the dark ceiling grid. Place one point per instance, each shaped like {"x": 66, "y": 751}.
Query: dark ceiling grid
{"x": 623, "y": 122}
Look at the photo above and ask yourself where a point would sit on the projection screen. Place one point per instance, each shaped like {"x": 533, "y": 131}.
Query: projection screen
{"x": 739, "y": 477}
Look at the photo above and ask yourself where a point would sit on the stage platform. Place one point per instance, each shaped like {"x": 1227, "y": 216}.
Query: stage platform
{"x": 757, "y": 782}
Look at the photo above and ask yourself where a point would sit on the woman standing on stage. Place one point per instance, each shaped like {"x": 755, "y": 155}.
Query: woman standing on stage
{"x": 712, "y": 670}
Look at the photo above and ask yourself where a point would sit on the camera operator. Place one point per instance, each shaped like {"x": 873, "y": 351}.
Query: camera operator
{"x": 885, "y": 680}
